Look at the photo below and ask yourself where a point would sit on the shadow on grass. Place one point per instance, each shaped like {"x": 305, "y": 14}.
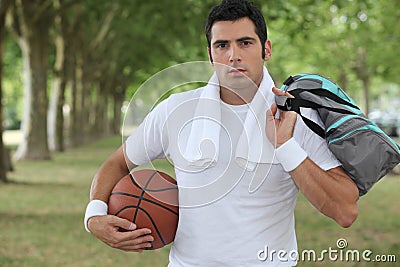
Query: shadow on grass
{"x": 37, "y": 183}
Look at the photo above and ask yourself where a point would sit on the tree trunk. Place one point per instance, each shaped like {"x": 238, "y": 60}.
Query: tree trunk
{"x": 86, "y": 105}
{"x": 364, "y": 73}
{"x": 55, "y": 113}
{"x": 34, "y": 41}
{"x": 70, "y": 28}
{"x": 60, "y": 129}
{"x": 365, "y": 82}
{"x": 52, "y": 114}
{"x": 76, "y": 113}
{"x": 102, "y": 107}
{"x": 117, "y": 118}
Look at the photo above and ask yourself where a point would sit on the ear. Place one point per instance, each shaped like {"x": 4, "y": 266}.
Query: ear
{"x": 209, "y": 55}
{"x": 268, "y": 50}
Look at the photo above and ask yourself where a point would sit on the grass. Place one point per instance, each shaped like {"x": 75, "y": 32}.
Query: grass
{"x": 41, "y": 214}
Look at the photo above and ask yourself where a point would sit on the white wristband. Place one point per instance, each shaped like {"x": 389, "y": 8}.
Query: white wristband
{"x": 290, "y": 155}
{"x": 94, "y": 208}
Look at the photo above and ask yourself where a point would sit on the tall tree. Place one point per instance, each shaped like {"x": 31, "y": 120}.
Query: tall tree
{"x": 57, "y": 98}
{"x": 4, "y": 4}
{"x": 32, "y": 21}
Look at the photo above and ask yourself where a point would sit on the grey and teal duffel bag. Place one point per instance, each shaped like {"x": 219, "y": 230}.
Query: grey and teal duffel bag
{"x": 365, "y": 151}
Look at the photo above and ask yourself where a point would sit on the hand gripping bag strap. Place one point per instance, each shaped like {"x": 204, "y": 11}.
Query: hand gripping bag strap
{"x": 294, "y": 104}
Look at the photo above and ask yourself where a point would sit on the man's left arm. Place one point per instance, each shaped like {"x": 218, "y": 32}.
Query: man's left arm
{"x": 332, "y": 192}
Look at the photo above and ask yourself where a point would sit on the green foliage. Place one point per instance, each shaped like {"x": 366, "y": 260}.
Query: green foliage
{"x": 12, "y": 86}
{"x": 346, "y": 40}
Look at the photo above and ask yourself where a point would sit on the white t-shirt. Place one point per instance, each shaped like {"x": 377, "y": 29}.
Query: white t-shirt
{"x": 221, "y": 221}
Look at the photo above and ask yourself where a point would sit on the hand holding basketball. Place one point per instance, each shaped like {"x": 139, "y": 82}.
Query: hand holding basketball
{"x": 149, "y": 199}
{"x": 106, "y": 228}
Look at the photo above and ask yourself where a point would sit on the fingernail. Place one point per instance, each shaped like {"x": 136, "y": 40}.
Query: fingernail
{"x": 291, "y": 96}
{"x": 132, "y": 226}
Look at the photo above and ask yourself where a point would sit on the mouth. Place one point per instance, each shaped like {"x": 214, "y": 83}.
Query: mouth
{"x": 237, "y": 71}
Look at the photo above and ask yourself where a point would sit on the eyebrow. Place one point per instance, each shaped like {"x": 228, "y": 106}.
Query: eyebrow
{"x": 217, "y": 42}
{"x": 246, "y": 38}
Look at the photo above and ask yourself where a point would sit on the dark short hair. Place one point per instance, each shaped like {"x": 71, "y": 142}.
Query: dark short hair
{"x": 231, "y": 10}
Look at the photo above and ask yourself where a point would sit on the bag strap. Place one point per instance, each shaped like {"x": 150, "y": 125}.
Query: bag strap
{"x": 297, "y": 102}
{"x": 294, "y": 104}
{"x": 324, "y": 93}
{"x": 314, "y": 126}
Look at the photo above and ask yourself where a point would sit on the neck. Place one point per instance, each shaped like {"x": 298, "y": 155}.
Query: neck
{"x": 239, "y": 97}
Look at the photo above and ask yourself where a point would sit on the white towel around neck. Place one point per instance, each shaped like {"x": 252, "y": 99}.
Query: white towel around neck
{"x": 253, "y": 147}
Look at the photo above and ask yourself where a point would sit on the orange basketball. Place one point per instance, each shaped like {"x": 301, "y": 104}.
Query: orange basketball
{"x": 149, "y": 199}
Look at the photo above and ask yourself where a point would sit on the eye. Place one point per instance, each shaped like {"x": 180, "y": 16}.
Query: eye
{"x": 221, "y": 45}
{"x": 246, "y": 43}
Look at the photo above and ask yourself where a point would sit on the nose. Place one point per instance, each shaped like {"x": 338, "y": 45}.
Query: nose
{"x": 234, "y": 55}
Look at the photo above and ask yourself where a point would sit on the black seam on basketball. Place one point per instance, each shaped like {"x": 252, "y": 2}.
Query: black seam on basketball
{"x": 143, "y": 191}
{"x": 146, "y": 199}
{"x": 151, "y": 190}
{"x": 134, "y": 182}
{"x": 148, "y": 215}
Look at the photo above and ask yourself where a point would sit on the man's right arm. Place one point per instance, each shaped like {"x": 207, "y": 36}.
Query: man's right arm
{"x": 106, "y": 227}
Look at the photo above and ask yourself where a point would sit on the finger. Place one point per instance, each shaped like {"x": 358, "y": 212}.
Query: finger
{"x": 143, "y": 242}
{"x": 132, "y": 235}
{"x": 123, "y": 223}
{"x": 290, "y": 115}
{"x": 289, "y": 119}
{"x": 140, "y": 248}
{"x": 278, "y": 92}
{"x": 136, "y": 237}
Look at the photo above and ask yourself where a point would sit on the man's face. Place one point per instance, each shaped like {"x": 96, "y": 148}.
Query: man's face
{"x": 236, "y": 44}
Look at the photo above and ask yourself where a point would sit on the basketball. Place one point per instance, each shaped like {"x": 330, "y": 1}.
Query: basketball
{"x": 149, "y": 199}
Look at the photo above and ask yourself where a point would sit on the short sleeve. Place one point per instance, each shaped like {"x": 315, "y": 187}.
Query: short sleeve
{"x": 148, "y": 142}
{"x": 315, "y": 146}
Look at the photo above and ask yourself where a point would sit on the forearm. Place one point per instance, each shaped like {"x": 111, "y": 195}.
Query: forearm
{"x": 107, "y": 176}
{"x": 107, "y": 227}
{"x": 332, "y": 192}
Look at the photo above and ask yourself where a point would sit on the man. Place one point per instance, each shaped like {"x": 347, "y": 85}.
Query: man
{"x": 228, "y": 221}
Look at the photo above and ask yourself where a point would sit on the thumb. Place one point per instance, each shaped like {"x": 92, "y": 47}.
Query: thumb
{"x": 271, "y": 112}
{"x": 270, "y": 127}
{"x": 124, "y": 223}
